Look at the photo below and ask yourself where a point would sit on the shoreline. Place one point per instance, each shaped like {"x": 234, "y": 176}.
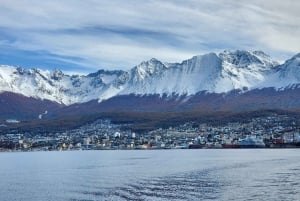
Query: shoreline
{"x": 141, "y": 149}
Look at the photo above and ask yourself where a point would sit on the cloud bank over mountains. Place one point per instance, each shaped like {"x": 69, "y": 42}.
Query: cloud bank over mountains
{"x": 82, "y": 36}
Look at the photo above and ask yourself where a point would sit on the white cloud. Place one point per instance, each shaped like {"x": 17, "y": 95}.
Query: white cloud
{"x": 114, "y": 34}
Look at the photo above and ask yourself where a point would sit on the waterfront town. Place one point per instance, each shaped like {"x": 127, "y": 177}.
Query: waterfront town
{"x": 274, "y": 131}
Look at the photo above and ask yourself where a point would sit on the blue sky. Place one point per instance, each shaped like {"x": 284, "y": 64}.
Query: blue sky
{"x": 84, "y": 36}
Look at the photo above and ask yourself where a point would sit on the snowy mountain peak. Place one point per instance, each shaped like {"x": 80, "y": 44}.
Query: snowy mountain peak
{"x": 57, "y": 74}
{"x": 260, "y": 53}
{"x": 154, "y": 61}
{"x": 294, "y": 62}
{"x": 240, "y": 58}
{"x": 246, "y": 59}
{"x": 265, "y": 59}
{"x": 290, "y": 70}
{"x": 296, "y": 56}
{"x": 203, "y": 64}
{"x": 147, "y": 69}
{"x": 21, "y": 70}
{"x": 151, "y": 62}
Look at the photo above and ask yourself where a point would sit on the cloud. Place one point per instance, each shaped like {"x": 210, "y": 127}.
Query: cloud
{"x": 114, "y": 34}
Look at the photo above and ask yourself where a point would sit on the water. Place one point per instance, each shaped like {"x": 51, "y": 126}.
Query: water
{"x": 243, "y": 174}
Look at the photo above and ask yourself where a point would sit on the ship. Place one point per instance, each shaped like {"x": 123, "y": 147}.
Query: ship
{"x": 230, "y": 144}
{"x": 196, "y": 146}
{"x": 251, "y": 142}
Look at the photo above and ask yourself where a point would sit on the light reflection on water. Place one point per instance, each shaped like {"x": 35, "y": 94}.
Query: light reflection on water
{"x": 257, "y": 174}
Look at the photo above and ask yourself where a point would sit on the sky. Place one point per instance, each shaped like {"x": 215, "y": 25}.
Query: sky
{"x": 85, "y": 36}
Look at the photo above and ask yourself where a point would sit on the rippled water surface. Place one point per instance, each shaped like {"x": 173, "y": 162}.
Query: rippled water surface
{"x": 244, "y": 174}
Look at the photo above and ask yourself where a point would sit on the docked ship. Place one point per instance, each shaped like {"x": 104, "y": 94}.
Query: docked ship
{"x": 230, "y": 144}
{"x": 251, "y": 142}
{"x": 196, "y": 146}
{"x": 280, "y": 143}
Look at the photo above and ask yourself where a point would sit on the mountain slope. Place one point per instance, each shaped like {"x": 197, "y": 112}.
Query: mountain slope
{"x": 16, "y": 106}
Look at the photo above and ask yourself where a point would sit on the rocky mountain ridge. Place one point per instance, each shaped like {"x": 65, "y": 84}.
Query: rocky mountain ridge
{"x": 210, "y": 73}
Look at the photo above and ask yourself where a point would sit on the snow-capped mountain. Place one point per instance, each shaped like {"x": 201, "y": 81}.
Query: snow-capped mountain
{"x": 212, "y": 73}
{"x": 55, "y": 86}
{"x": 189, "y": 77}
{"x": 238, "y": 70}
{"x": 285, "y": 75}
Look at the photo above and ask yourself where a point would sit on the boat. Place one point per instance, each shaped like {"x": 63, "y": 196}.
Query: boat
{"x": 230, "y": 146}
{"x": 196, "y": 146}
{"x": 251, "y": 142}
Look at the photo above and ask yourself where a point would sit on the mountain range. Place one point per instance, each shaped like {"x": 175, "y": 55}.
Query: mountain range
{"x": 230, "y": 81}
